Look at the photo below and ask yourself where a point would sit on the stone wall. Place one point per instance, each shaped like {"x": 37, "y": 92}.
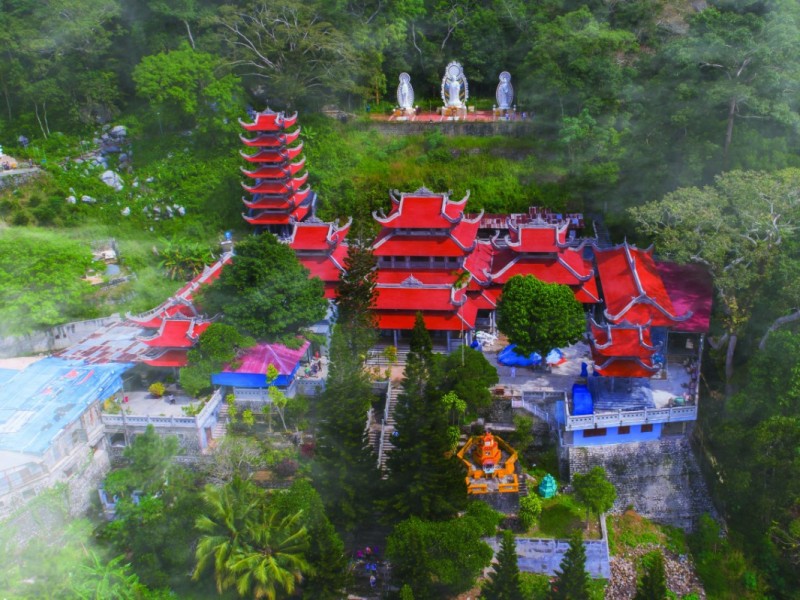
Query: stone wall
{"x": 452, "y": 128}
{"x": 14, "y": 179}
{"x": 660, "y": 480}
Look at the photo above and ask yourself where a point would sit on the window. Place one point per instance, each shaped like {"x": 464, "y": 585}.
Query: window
{"x": 647, "y": 428}
{"x": 623, "y": 429}
{"x": 587, "y": 433}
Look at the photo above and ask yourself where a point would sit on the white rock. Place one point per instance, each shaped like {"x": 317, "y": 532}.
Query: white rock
{"x": 112, "y": 179}
{"x": 71, "y": 200}
{"x": 181, "y": 211}
{"x": 88, "y": 199}
{"x": 119, "y": 131}
{"x": 126, "y": 211}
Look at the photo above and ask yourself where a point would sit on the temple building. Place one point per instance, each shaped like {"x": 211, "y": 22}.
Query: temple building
{"x": 173, "y": 340}
{"x": 321, "y": 248}
{"x": 279, "y": 192}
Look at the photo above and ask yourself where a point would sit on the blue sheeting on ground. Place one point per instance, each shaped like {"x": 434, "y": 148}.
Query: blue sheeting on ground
{"x": 509, "y": 357}
{"x": 42, "y": 399}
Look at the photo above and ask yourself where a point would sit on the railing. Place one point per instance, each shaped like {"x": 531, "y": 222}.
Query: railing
{"x": 630, "y": 417}
{"x": 526, "y": 404}
{"x": 383, "y": 423}
{"x": 210, "y": 408}
{"x": 196, "y": 422}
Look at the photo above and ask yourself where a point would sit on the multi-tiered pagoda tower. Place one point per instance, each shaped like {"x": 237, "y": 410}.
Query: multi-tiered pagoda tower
{"x": 280, "y": 196}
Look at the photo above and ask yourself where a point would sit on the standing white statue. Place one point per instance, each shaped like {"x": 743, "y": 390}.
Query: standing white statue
{"x": 455, "y": 90}
{"x": 505, "y": 91}
{"x": 405, "y": 93}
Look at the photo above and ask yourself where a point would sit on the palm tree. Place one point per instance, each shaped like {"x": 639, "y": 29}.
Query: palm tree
{"x": 100, "y": 579}
{"x": 253, "y": 547}
{"x": 275, "y": 561}
{"x": 231, "y": 511}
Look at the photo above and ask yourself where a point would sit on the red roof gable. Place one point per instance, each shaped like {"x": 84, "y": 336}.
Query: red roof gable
{"x": 271, "y": 140}
{"x": 537, "y": 237}
{"x": 624, "y": 340}
{"x": 269, "y": 120}
{"x": 177, "y": 333}
{"x": 274, "y": 155}
{"x": 632, "y": 287}
{"x": 424, "y": 209}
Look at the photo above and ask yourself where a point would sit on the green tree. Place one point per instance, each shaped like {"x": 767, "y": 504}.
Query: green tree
{"x": 253, "y": 547}
{"x": 530, "y": 508}
{"x": 425, "y": 478}
{"x": 505, "y": 582}
{"x": 469, "y": 375}
{"x": 539, "y": 316}
{"x": 344, "y": 469}
{"x": 572, "y": 580}
{"x": 438, "y": 558}
{"x": 653, "y": 584}
{"x": 595, "y": 491}
{"x": 99, "y": 579}
{"x": 265, "y": 292}
{"x": 356, "y": 296}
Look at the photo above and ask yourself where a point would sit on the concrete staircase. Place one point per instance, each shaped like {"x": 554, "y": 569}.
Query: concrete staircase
{"x": 661, "y": 479}
{"x": 222, "y": 422}
{"x": 388, "y": 428}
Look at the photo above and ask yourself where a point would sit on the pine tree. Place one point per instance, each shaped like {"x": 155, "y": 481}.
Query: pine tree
{"x": 356, "y": 296}
{"x": 572, "y": 581}
{"x": 425, "y": 479}
{"x": 345, "y": 467}
{"x": 505, "y": 582}
{"x": 653, "y": 585}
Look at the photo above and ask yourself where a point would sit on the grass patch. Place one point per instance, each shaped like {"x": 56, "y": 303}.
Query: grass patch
{"x": 630, "y": 530}
{"x": 561, "y": 516}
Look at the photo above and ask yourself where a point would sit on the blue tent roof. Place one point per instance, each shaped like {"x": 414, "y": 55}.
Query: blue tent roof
{"x": 510, "y": 358}
{"x": 41, "y": 400}
{"x": 581, "y": 400}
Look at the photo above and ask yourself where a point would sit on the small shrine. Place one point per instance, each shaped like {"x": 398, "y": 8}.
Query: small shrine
{"x": 491, "y": 465}
{"x": 548, "y": 486}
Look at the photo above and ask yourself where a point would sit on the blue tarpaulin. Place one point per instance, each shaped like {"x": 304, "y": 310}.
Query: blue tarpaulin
{"x": 581, "y": 400}
{"x": 510, "y": 358}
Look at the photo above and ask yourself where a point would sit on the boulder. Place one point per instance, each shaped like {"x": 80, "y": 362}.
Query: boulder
{"x": 88, "y": 199}
{"x": 71, "y": 200}
{"x": 119, "y": 131}
{"x": 126, "y": 211}
{"x": 112, "y": 179}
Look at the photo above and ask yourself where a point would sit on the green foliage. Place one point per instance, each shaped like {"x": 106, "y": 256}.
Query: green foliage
{"x": 469, "y": 375}
{"x": 595, "y": 491}
{"x": 530, "y": 509}
{"x": 157, "y": 389}
{"x": 653, "y": 583}
{"x": 505, "y": 583}
{"x": 41, "y": 281}
{"x": 488, "y": 518}
{"x": 539, "y": 316}
{"x": 219, "y": 344}
{"x": 443, "y": 557}
{"x": 265, "y": 291}
{"x": 572, "y": 580}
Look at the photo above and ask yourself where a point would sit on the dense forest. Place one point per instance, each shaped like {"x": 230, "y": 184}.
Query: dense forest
{"x": 672, "y": 122}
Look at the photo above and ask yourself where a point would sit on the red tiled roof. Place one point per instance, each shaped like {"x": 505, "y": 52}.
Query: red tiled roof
{"x": 258, "y": 358}
{"x": 623, "y": 340}
{"x": 177, "y": 333}
{"x": 537, "y": 237}
{"x": 568, "y": 267}
{"x": 390, "y": 244}
{"x": 632, "y": 287}
{"x": 479, "y": 261}
{"x": 325, "y": 266}
{"x": 318, "y": 236}
{"x": 624, "y": 367}
{"x": 267, "y": 186}
{"x": 278, "y": 218}
{"x": 168, "y": 358}
{"x": 273, "y": 155}
{"x": 586, "y": 292}
{"x": 271, "y": 140}
{"x": 269, "y": 120}
{"x": 276, "y": 172}
{"x": 424, "y": 209}
{"x": 691, "y": 291}
{"x": 461, "y": 320}
{"x": 285, "y": 202}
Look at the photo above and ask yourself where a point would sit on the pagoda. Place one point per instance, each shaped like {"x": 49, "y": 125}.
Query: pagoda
{"x": 321, "y": 248}
{"x": 173, "y": 340}
{"x": 541, "y": 249}
{"x": 280, "y": 195}
{"x": 623, "y": 349}
{"x": 423, "y": 252}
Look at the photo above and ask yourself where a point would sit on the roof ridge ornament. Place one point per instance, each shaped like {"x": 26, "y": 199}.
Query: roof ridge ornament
{"x": 411, "y": 281}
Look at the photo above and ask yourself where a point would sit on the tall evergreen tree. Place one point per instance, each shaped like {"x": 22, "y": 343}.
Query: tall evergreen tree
{"x": 653, "y": 584}
{"x": 345, "y": 467}
{"x": 505, "y": 582}
{"x": 572, "y": 581}
{"x": 356, "y": 295}
{"x": 425, "y": 479}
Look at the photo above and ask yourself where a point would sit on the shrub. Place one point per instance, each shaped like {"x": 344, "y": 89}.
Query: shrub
{"x": 157, "y": 389}
{"x": 530, "y": 507}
